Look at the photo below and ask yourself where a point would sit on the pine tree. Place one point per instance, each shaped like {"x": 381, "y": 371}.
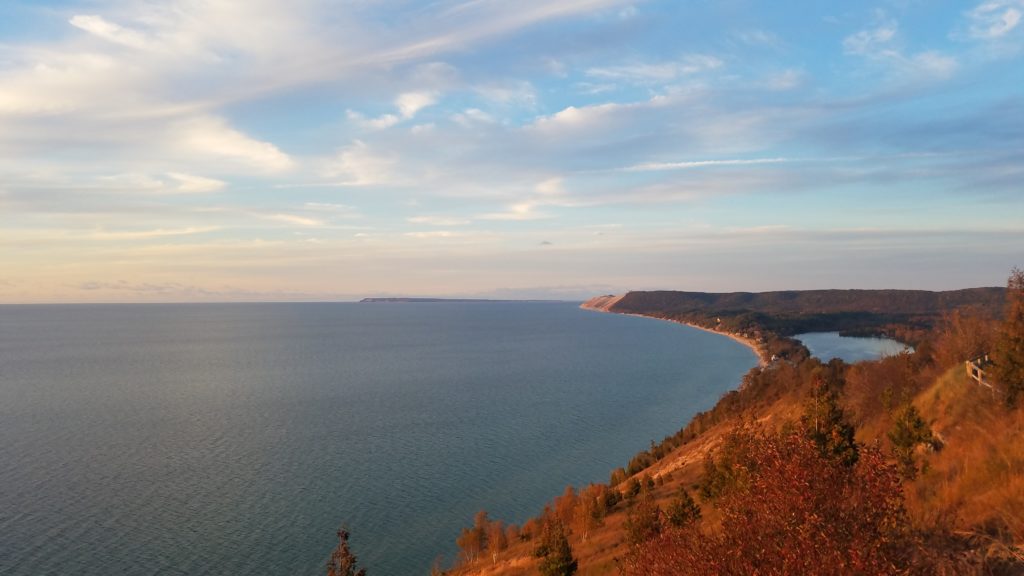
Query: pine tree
{"x": 343, "y": 561}
{"x": 910, "y": 431}
{"x": 683, "y": 510}
{"x": 824, "y": 422}
{"x": 555, "y": 553}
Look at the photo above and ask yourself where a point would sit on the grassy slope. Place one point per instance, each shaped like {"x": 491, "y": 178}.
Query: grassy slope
{"x": 974, "y": 484}
{"x": 976, "y": 481}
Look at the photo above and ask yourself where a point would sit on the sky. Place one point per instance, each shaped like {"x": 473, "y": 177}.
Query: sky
{"x": 258, "y": 150}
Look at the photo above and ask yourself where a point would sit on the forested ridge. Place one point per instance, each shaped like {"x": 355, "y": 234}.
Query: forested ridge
{"x": 905, "y": 314}
{"x": 904, "y": 465}
{"x": 814, "y": 301}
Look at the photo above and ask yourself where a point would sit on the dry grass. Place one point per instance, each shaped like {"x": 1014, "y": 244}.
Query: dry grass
{"x": 975, "y": 482}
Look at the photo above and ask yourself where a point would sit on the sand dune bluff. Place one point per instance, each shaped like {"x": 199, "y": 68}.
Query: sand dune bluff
{"x": 604, "y": 303}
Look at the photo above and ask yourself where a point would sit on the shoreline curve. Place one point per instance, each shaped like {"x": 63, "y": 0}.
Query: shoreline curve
{"x": 604, "y": 304}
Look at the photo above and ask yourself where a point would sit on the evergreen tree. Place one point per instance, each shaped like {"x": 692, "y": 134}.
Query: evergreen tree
{"x": 643, "y": 521}
{"x": 683, "y": 510}
{"x": 730, "y": 470}
{"x": 343, "y": 561}
{"x": 910, "y": 431}
{"x": 825, "y": 423}
{"x": 611, "y": 498}
{"x": 1009, "y": 353}
{"x": 554, "y": 552}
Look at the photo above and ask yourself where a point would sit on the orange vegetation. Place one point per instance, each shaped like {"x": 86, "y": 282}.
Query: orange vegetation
{"x": 810, "y": 483}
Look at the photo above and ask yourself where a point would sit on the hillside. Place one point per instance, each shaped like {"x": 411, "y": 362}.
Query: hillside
{"x": 949, "y": 447}
{"x": 807, "y": 302}
{"x": 902, "y": 313}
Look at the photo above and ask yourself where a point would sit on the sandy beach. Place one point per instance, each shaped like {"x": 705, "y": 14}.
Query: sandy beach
{"x": 762, "y": 361}
{"x": 604, "y": 303}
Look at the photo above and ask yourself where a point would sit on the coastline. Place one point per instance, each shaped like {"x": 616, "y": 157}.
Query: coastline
{"x": 762, "y": 359}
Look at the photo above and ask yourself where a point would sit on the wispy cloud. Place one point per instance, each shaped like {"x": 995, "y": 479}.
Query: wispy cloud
{"x": 410, "y": 103}
{"x": 190, "y": 183}
{"x": 659, "y": 166}
{"x": 872, "y": 41}
{"x": 213, "y": 137}
{"x": 659, "y": 72}
{"x": 379, "y": 123}
{"x": 995, "y": 19}
{"x": 98, "y": 26}
{"x": 471, "y": 116}
{"x": 169, "y": 183}
{"x": 519, "y": 93}
{"x": 292, "y": 219}
{"x": 879, "y": 44}
{"x": 759, "y": 38}
{"x": 433, "y": 220}
{"x": 120, "y": 235}
{"x": 333, "y": 209}
{"x": 434, "y": 234}
{"x": 784, "y": 80}
{"x": 360, "y": 165}
{"x": 518, "y": 212}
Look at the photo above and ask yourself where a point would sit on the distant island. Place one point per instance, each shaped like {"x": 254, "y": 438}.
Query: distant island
{"x": 422, "y": 300}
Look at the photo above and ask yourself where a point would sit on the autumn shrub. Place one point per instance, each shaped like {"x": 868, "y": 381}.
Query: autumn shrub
{"x": 963, "y": 335}
{"x": 796, "y": 513}
{"x": 643, "y": 521}
{"x": 1009, "y": 347}
{"x": 874, "y": 390}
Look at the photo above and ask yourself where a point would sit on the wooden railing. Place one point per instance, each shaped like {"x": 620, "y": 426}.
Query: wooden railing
{"x": 976, "y": 370}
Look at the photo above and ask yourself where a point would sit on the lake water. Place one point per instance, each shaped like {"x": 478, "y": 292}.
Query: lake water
{"x": 235, "y": 438}
{"x": 828, "y": 345}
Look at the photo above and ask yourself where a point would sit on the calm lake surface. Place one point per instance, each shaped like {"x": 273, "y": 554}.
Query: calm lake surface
{"x": 235, "y": 438}
{"x": 828, "y": 345}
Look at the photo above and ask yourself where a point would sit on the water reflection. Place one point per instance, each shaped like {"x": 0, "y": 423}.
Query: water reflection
{"x": 828, "y": 345}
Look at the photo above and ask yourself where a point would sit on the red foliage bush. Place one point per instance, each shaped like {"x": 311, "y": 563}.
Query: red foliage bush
{"x": 798, "y": 513}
